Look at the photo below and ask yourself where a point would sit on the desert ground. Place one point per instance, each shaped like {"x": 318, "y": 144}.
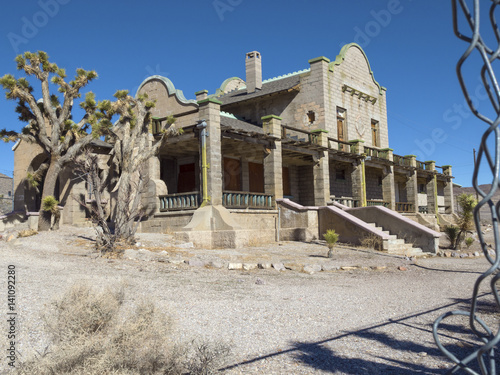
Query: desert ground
{"x": 362, "y": 312}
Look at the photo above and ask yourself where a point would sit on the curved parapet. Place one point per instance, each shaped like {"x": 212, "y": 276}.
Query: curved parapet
{"x": 230, "y": 84}
{"x": 170, "y": 89}
{"x": 341, "y": 57}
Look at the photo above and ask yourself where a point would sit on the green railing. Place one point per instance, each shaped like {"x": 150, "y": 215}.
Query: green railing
{"x": 373, "y": 202}
{"x": 375, "y": 153}
{"x": 180, "y": 201}
{"x": 404, "y": 207}
{"x": 423, "y": 209}
{"x": 346, "y": 201}
{"x": 243, "y": 199}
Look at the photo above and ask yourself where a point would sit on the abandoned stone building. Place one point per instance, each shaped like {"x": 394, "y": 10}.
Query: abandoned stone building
{"x": 6, "y": 193}
{"x": 284, "y": 158}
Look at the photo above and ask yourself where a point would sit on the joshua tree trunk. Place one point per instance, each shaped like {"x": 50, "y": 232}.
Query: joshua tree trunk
{"x": 49, "y": 188}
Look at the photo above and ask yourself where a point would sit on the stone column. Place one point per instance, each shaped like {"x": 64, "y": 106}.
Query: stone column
{"x": 273, "y": 171}
{"x": 358, "y": 173}
{"x": 388, "y": 187}
{"x": 412, "y": 182}
{"x": 201, "y": 95}
{"x": 210, "y": 112}
{"x": 432, "y": 203}
{"x": 321, "y": 170}
{"x": 448, "y": 191}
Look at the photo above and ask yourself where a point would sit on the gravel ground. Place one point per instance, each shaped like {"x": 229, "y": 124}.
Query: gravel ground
{"x": 370, "y": 318}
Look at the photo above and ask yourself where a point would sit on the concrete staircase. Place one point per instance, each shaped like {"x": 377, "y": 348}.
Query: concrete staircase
{"x": 398, "y": 245}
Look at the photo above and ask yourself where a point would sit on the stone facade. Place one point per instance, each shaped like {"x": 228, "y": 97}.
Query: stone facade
{"x": 6, "y": 193}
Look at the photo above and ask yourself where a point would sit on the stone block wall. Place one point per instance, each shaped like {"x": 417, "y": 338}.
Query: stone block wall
{"x": 373, "y": 181}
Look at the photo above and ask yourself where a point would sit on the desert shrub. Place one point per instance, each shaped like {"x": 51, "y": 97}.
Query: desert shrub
{"x": 49, "y": 204}
{"x": 371, "y": 241}
{"x": 27, "y": 233}
{"x": 91, "y": 334}
{"x": 331, "y": 237}
{"x": 452, "y": 233}
{"x": 465, "y": 223}
{"x": 469, "y": 241}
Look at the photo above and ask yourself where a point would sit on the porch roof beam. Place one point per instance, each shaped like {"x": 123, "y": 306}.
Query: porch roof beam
{"x": 300, "y": 150}
{"x": 247, "y": 139}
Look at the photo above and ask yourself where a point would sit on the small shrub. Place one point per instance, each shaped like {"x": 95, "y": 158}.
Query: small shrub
{"x": 452, "y": 233}
{"x": 91, "y": 335}
{"x": 27, "y": 233}
{"x": 331, "y": 239}
{"x": 469, "y": 241}
{"x": 49, "y": 204}
{"x": 371, "y": 241}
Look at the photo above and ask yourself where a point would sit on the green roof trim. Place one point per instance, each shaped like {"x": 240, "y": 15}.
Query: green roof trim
{"x": 341, "y": 57}
{"x": 429, "y": 161}
{"x": 201, "y": 92}
{"x": 387, "y": 149}
{"x": 319, "y": 131}
{"x": 221, "y": 90}
{"x": 209, "y": 100}
{"x": 410, "y": 156}
{"x": 317, "y": 59}
{"x": 268, "y": 117}
{"x": 446, "y": 166}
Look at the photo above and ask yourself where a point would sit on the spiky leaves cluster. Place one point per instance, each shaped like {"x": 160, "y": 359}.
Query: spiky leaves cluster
{"x": 49, "y": 122}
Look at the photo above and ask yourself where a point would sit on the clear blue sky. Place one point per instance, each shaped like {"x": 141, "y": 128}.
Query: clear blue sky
{"x": 199, "y": 43}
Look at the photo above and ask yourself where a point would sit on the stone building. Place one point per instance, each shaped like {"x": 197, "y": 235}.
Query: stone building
{"x": 286, "y": 158}
{"x": 6, "y": 193}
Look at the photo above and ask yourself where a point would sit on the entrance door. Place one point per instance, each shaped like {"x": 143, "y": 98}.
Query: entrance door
{"x": 256, "y": 177}
{"x": 187, "y": 178}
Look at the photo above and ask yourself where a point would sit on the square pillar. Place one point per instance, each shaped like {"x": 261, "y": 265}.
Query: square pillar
{"x": 388, "y": 186}
{"x": 432, "y": 203}
{"x": 448, "y": 190}
{"x": 210, "y": 112}
{"x": 412, "y": 182}
{"x": 321, "y": 169}
{"x": 273, "y": 170}
{"x": 358, "y": 173}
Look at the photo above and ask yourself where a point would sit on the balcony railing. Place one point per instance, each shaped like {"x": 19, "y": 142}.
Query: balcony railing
{"x": 243, "y": 199}
{"x": 377, "y": 203}
{"x": 401, "y": 160}
{"x": 375, "y": 153}
{"x": 423, "y": 209}
{"x": 422, "y": 165}
{"x": 180, "y": 201}
{"x": 404, "y": 207}
{"x": 346, "y": 201}
{"x": 342, "y": 146}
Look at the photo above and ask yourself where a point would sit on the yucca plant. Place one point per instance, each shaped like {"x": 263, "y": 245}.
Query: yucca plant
{"x": 469, "y": 241}
{"x": 331, "y": 239}
{"x": 452, "y": 233}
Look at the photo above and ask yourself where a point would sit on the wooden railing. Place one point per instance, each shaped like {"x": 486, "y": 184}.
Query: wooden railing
{"x": 377, "y": 203}
{"x": 404, "y": 207}
{"x": 375, "y": 153}
{"x": 342, "y": 146}
{"x": 180, "y": 201}
{"x": 401, "y": 160}
{"x": 423, "y": 209}
{"x": 346, "y": 201}
{"x": 421, "y": 165}
{"x": 298, "y": 134}
{"x": 243, "y": 199}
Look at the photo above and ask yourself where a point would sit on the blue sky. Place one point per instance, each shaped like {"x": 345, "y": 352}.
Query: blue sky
{"x": 197, "y": 44}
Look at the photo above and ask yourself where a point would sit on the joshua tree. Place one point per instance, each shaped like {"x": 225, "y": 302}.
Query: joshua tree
{"x": 49, "y": 121}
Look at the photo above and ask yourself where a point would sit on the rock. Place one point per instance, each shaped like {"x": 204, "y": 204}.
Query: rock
{"x": 11, "y": 237}
{"x": 176, "y": 261}
{"x": 378, "y": 268}
{"x": 279, "y": 266}
{"x": 138, "y": 244}
{"x": 454, "y": 254}
{"x": 348, "y": 268}
{"x": 235, "y": 266}
{"x": 464, "y": 255}
{"x": 447, "y": 254}
{"x": 402, "y": 268}
{"x": 312, "y": 268}
{"x": 130, "y": 254}
{"x": 196, "y": 262}
{"x": 145, "y": 255}
{"x": 294, "y": 267}
{"x": 249, "y": 266}
{"x": 476, "y": 253}
{"x": 259, "y": 281}
{"x": 265, "y": 266}
{"x": 216, "y": 264}
{"x": 329, "y": 267}
{"x": 186, "y": 245}
{"x": 422, "y": 354}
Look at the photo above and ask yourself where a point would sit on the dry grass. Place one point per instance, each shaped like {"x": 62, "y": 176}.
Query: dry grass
{"x": 27, "y": 233}
{"x": 90, "y": 334}
{"x": 371, "y": 242}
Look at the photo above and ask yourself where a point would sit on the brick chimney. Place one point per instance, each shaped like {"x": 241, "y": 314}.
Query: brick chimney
{"x": 253, "y": 66}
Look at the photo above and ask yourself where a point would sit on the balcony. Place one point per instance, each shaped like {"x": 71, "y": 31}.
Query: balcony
{"x": 243, "y": 199}
{"x": 180, "y": 201}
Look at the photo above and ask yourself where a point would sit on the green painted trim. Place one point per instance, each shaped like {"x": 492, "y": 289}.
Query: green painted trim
{"x": 429, "y": 161}
{"x": 446, "y": 166}
{"x": 201, "y": 92}
{"x": 155, "y": 118}
{"x": 170, "y": 89}
{"x": 317, "y": 59}
{"x": 268, "y": 117}
{"x": 410, "y": 156}
{"x": 341, "y": 57}
{"x": 356, "y": 141}
{"x": 209, "y": 100}
{"x": 386, "y": 149}
{"x": 222, "y": 88}
{"x": 319, "y": 131}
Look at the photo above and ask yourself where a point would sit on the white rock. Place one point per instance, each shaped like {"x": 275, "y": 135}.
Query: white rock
{"x": 249, "y": 266}
{"x": 235, "y": 266}
{"x": 312, "y": 268}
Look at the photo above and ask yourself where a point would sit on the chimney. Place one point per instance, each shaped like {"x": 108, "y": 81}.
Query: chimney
{"x": 253, "y": 65}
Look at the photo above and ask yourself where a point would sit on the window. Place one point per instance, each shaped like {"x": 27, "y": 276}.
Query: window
{"x": 311, "y": 117}
{"x": 341, "y": 120}
{"x": 422, "y": 188}
{"x": 340, "y": 174}
{"x": 379, "y": 180}
{"x": 375, "y": 134}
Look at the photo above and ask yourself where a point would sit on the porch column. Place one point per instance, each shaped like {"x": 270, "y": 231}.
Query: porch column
{"x": 448, "y": 191}
{"x": 321, "y": 170}
{"x": 273, "y": 171}
{"x": 412, "y": 182}
{"x": 210, "y": 112}
{"x": 388, "y": 188}
{"x": 432, "y": 203}
{"x": 358, "y": 173}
